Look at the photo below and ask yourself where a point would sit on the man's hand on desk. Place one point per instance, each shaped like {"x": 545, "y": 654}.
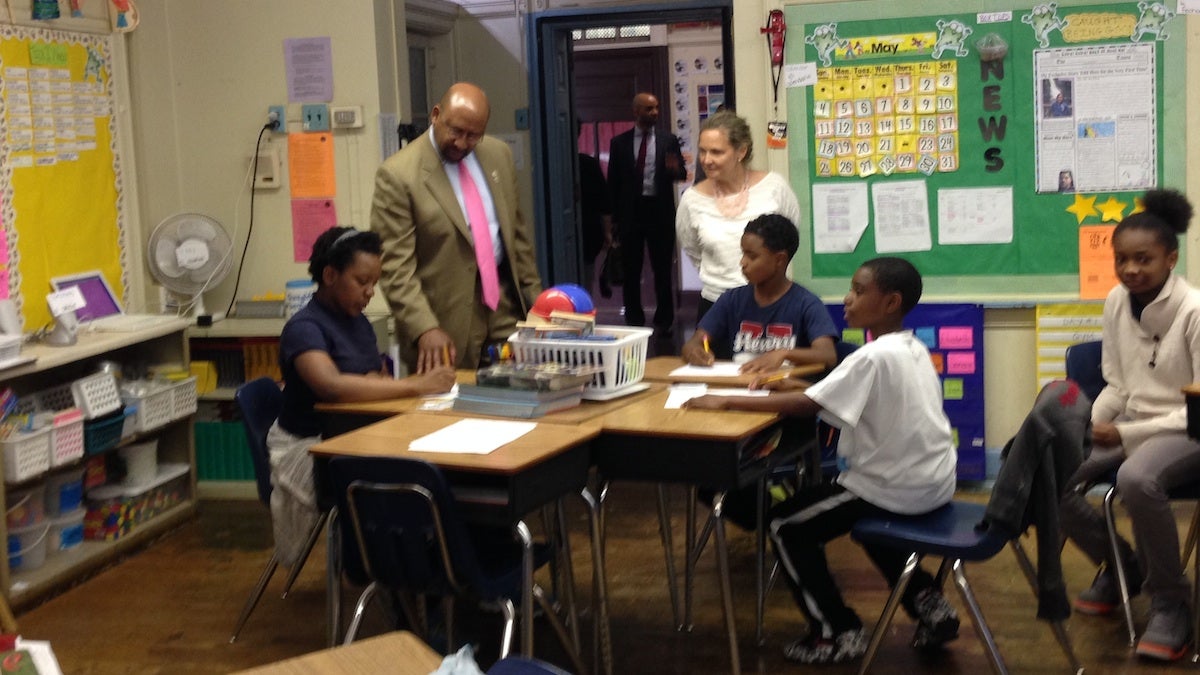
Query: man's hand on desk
{"x": 435, "y": 348}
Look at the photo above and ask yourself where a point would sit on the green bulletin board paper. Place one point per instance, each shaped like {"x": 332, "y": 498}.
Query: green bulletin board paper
{"x": 1042, "y": 260}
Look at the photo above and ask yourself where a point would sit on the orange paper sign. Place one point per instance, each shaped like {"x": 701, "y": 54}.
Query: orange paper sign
{"x": 1097, "y": 275}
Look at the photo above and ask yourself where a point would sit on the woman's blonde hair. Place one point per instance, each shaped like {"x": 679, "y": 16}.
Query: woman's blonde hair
{"x": 735, "y": 128}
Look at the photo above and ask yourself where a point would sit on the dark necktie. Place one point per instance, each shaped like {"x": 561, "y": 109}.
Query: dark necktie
{"x": 641, "y": 158}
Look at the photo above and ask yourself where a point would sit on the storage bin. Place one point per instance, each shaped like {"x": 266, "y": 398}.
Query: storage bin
{"x": 26, "y": 454}
{"x": 27, "y": 547}
{"x": 154, "y": 402}
{"x": 10, "y": 346}
{"x": 66, "y": 531}
{"x": 96, "y": 395}
{"x": 26, "y": 507}
{"x": 66, "y": 437}
{"x": 104, "y": 434}
{"x": 114, "y": 510}
{"x": 141, "y": 463}
{"x": 622, "y": 359}
{"x": 183, "y": 398}
{"x": 64, "y": 492}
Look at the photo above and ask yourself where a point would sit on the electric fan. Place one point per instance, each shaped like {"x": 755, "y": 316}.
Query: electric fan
{"x": 189, "y": 254}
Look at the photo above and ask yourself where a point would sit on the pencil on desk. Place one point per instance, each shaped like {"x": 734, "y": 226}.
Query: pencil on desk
{"x": 777, "y": 377}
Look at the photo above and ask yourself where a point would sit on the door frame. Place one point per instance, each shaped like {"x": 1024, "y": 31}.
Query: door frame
{"x": 552, "y": 124}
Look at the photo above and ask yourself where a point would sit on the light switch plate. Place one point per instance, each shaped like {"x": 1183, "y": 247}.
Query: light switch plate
{"x": 314, "y": 117}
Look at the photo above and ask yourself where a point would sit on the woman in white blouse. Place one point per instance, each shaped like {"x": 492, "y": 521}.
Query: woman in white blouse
{"x": 713, "y": 213}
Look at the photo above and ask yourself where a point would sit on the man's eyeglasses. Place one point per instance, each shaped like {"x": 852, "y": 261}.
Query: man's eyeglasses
{"x": 462, "y": 134}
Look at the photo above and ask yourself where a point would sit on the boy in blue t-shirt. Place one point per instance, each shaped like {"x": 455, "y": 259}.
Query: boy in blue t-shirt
{"x": 770, "y": 320}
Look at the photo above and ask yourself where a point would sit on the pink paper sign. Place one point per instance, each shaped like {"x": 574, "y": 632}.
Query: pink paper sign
{"x": 960, "y": 363}
{"x": 956, "y": 337}
{"x": 310, "y": 217}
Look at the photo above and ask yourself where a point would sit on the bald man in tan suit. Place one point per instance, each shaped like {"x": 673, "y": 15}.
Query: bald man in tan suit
{"x": 430, "y": 276}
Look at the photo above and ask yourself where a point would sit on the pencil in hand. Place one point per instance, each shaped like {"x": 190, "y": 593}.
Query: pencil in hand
{"x": 777, "y": 377}
{"x": 446, "y": 355}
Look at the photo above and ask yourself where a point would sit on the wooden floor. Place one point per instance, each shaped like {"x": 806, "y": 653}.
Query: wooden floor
{"x": 170, "y": 608}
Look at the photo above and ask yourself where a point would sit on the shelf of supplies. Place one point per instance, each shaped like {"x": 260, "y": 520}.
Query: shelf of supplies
{"x": 69, "y": 565}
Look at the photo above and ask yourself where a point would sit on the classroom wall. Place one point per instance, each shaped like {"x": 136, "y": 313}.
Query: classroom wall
{"x": 202, "y": 74}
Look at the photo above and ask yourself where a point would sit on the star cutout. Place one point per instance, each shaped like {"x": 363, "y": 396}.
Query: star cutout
{"x": 1083, "y": 207}
{"x": 1111, "y": 210}
{"x": 1138, "y": 206}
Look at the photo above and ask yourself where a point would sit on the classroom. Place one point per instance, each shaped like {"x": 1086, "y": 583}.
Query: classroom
{"x": 174, "y": 118}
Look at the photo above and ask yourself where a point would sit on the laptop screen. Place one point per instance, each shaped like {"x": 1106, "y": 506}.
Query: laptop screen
{"x": 96, "y": 292}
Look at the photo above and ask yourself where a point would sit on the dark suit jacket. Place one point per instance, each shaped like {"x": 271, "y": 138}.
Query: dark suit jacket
{"x": 429, "y": 269}
{"x": 626, "y": 186}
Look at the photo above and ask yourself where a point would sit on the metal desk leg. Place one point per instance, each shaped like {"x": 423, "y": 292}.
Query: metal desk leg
{"x": 526, "y": 539}
{"x": 603, "y": 643}
{"x": 726, "y": 589}
{"x": 333, "y": 576}
{"x": 760, "y": 558}
{"x": 568, "y": 573}
{"x": 664, "y": 529}
{"x": 690, "y": 563}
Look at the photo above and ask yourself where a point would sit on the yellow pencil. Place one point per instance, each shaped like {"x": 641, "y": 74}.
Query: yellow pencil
{"x": 446, "y": 354}
{"x": 777, "y": 377}
{"x": 706, "y": 349}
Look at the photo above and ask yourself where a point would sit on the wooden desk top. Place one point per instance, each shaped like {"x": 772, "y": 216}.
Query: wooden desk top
{"x": 399, "y": 652}
{"x": 584, "y": 412}
{"x": 1192, "y": 389}
{"x": 648, "y": 417}
{"x": 390, "y": 438}
{"x": 658, "y": 369}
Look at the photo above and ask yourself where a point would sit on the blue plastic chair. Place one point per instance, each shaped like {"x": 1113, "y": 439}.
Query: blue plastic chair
{"x": 520, "y": 665}
{"x": 260, "y": 402}
{"x": 405, "y": 536}
{"x": 952, "y": 533}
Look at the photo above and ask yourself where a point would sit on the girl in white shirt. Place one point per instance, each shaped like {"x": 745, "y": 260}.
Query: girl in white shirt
{"x": 712, "y": 214}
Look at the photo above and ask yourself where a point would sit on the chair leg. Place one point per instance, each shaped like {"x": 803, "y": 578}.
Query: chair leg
{"x": 510, "y": 620}
{"x": 1025, "y": 564}
{"x": 359, "y": 609}
{"x": 1190, "y": 542}
{"x": 601, "y": 636}
{"x": 333, "y": 577}
{"x": 981, "y": 627}
{"x": 689, "y": 564}
{"x": 255, "y": 595}
{"x": 559, "y": 629}
{"x": 722, "y": 552}
{"x": 1110, "y": 521}
{"x": 1060, "y": 630}
{"x": 526, "y": 539}
{"x": 1064, "y": 641}
{"x": 448, "y": 618}
{"x": 889, "y": 611}
{"x": 664, "y": 530}
{"x": 760, "y": 560}
{"x": 309, "y": 543}
{"x": 568, "y": 572}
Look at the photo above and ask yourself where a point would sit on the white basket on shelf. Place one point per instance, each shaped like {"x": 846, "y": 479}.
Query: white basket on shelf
{"x": 10, "y": 347}
{"x": 154, "y": 402}
{"x": 183, "y": 398}
{"x": 622, "y": 360}
{"x": 26, "y": 454}
{"x": 96, "y": 395}
{"x": 66, "y": 437}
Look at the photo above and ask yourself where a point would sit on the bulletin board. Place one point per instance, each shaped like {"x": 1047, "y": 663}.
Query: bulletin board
{"x": 953, "y": 333}
{"x": 61, "y": 187}
{"x": 1095, "y": 91}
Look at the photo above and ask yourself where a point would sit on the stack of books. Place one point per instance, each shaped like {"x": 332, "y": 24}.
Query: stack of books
{"x": 512, "y": 402}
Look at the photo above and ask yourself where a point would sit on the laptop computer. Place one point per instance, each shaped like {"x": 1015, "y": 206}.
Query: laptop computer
{"x": 102, "y": 310}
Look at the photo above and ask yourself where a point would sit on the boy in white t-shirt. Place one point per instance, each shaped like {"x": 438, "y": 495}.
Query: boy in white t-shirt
{"x": 896, "y": 456}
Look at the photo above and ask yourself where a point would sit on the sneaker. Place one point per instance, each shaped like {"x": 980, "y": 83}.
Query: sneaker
{"x": 1168, "y": 634}
{"x": 1102, "y": 597}
{"x": 814, "y": 649}
{"x": 937, "y": 622}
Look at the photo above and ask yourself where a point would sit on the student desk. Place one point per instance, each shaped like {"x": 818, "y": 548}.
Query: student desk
{"x": 400, "y": 652}
{"x": 1191, "y": 394}
{"x": 502, "y": 486}
{"x": 658, "y": 369}
{"x": 700, "y": 448}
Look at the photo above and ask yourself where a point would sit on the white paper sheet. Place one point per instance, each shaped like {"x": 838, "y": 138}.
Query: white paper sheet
{"x": 682, "y": 393}
{"x": 901, "y": 216}
{"x": 840, "y": 216}
{"x": 477, "y": 437}
{"x": 975, "y": 215}
{"x": 717, "y": 369}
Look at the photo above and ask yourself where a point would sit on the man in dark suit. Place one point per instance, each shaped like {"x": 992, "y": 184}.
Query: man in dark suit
{"x": 454, "y": 282}
{"x": 642, "y": 169}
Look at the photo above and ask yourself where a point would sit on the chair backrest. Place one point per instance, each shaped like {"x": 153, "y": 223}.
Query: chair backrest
{"x": 844, "y": 349}
{"x": 524, "y": 665}
{"x": 1083, "y": 367}
{"x": 403, "y": 529}
{"x": 259, "y": 402}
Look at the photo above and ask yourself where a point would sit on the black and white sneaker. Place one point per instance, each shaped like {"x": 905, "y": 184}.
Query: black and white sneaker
{"x": 937, "y": 621}
{"x": 816, "y": 650}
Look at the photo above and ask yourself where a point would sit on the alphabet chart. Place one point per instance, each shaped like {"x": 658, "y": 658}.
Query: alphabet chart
{"x": 888, "y": 118}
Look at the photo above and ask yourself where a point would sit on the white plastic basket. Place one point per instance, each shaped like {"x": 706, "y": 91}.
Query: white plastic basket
{"x": 10, "y": 347}
{"x": 66, "y": 437}
{"x": 26, "y": 454}
{"x": 622, "y": 361}
{"x": 155, "y": 405}
{"x": 96, "y": 395}
{"x": 183, "y": 398}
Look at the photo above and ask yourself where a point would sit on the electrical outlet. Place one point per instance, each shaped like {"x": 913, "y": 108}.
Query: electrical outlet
{"x": 280, "y": 113}
{"x": 315, "y": 116}
{"x": 346, "y": 117}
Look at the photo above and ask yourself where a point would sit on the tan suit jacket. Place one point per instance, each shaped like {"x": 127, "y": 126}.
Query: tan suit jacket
{"x": 430, "y": 276}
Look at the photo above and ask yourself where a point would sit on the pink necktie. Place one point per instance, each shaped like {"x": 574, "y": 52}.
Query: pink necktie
{"x": 485, "y": 256}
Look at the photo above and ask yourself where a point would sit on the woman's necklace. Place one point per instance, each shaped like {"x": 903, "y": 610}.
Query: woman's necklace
{"x": 732, "y": 205}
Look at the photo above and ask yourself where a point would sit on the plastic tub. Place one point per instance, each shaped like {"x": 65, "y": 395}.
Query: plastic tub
{"x": 141, "y": 463}
{"x": 27, "y": 547}
{"x": 26, "y": 507}
{"x": 66, "y": 531}
{"x": 64, "y": 492}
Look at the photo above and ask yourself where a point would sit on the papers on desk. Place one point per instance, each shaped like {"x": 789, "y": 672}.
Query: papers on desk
{"x": 439, "y": 401}
{"x": 681, "y": 393}
{"x": 717, "y": 369}
{"x": 476, "y": 437}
